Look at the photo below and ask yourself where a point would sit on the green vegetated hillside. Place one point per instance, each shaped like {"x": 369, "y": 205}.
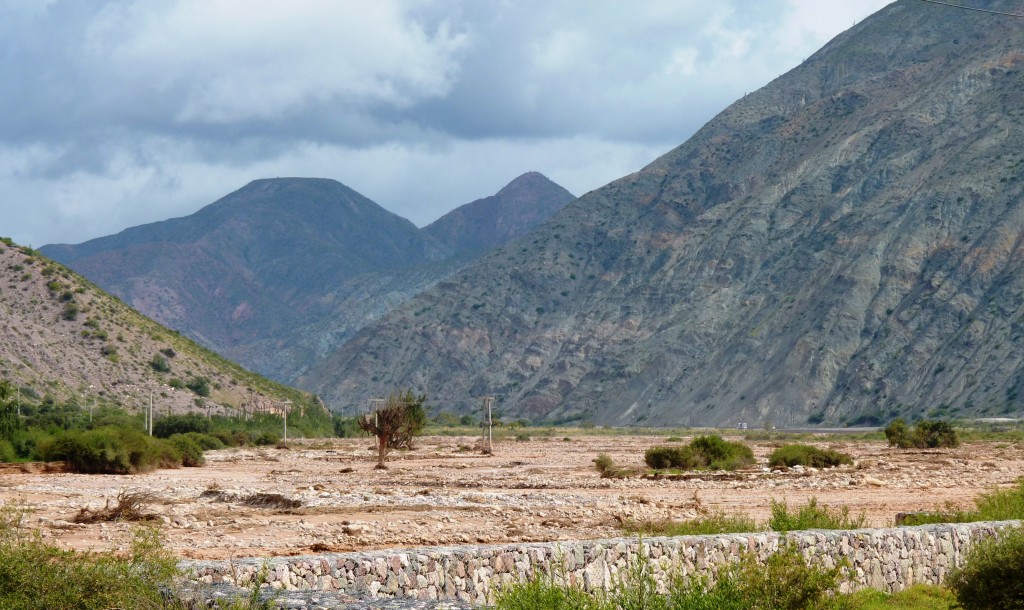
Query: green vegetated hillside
{"x": 841, "y": 246}
{"x": 278, "y": 274}
{"x": 63, "y": 339}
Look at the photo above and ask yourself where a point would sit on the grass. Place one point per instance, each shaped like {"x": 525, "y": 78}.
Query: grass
{"x": 784, "y": 581}
{"x": 917, "y": 597}
{"x": 813, "y": 517}
{"x": 783, "y": 519}
{"x": 35, "y": 574}
{"x": 996, "y": 505}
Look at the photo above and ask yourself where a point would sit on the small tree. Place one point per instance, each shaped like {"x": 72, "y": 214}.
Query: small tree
{"x": 396, "y": 423}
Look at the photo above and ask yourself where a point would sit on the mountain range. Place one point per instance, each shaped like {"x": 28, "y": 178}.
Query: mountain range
{"x": 841, "y": 246}
{"x": 279, "y": 273}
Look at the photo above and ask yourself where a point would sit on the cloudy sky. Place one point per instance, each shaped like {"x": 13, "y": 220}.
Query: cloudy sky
{"x": 114, "y": 114}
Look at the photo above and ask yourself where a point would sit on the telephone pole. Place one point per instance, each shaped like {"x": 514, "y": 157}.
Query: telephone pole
{"x": 487, "y": 426}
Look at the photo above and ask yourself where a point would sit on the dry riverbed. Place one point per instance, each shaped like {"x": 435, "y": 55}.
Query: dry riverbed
{"x": 443, "y": 493}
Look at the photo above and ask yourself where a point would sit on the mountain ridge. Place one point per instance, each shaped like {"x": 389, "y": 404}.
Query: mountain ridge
{"x": 813, "y": 253}
{"x": 282, "y": 270}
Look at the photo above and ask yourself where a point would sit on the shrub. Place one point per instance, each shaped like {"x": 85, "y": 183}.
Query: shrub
{"x": 176, "y": 383}
{"x": 181, "y": 424}
{"x": 811, "y": 516}
{"x": 927, "y": 434}
{"x": 603, "y": 463}
{"x": 206, "y": 442}
{"x": 719, "y": 454}
{"x": 806, "y": 455}
{"x": 70, "y": 311}
{"x": 670, "y": 457}
{"x": 522, "y": 437}
{"x": 160, "y": 364}
{"x": 199, "y": 385}
{"x": 935, "y": 433}
{"x": 266, "y": 438}
{"x": 112, "y": 451}
{"x": 7, "y": 452}
{"x": 990, "y": 578}
{"x": 191, "y": 452}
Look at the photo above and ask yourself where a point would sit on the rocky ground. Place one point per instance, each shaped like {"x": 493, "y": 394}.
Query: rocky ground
{"x": 325, "y": 495}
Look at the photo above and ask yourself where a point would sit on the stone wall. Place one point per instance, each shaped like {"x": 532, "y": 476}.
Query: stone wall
{"x": 887, "y": 559}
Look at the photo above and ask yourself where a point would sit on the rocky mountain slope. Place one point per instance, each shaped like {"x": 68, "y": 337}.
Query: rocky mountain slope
{"x": 62, "y": 337}
{"x": 279, "y": 273}
{"x": 843, "y": 245}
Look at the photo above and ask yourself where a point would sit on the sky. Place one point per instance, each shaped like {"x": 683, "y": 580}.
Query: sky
{"x": 120, "y": 113}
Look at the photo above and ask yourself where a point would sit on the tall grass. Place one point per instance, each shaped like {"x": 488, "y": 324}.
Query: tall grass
{"x": 36, "y": 575}
{"x": 784, "y": 581}
{"x": 996, "y": 505}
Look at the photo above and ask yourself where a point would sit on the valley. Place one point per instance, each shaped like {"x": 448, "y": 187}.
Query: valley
{"x": 445, "y": 493}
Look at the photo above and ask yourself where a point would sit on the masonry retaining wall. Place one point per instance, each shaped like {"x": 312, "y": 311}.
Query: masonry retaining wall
{"x": 887, "y": 559}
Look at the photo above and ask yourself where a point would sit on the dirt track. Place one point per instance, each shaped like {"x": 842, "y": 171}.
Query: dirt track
{"x": 442, "y": 493}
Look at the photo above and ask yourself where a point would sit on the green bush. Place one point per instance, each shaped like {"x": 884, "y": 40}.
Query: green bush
{"x": 266, "y": 438}
{"x": 719, "y": 454}
{"x": 191, "y": 452}
{"x": 159, "y": 364}
{"x": 7, "y": 452}
{"x": 990, "y": 578}
{"x": 807, "y": 455}
{"x": 926, "y": 434}
{"x": 207, "y": 442}
{"x": 670, "y": 457}
{"x": 604, "y": 463}
{"x": 812, "y": 517}
{"x": 712, "y": 452}
{"x": 70, "y": 311}
{"x": 165, "y": 427}
{"x": 111, "y": 451}
{"x": 935, "y": 433}
{"x": 199, "y": 385}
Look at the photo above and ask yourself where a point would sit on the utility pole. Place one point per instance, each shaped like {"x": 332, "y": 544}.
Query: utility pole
{"x": 286, "y": 404}
{"x": 375, "y": 404}
{"x": 488, "y": 425}
{"x": 150, "y": 420}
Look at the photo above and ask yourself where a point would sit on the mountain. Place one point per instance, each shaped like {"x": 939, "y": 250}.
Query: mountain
{"x": 492, "y": 221}
{"x": 66, "y": 339}
{"x": 841, "y": 246}
{"x": 282, "y": 271}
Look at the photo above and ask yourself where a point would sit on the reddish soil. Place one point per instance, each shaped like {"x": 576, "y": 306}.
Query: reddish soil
{"x": 443, "y": 493}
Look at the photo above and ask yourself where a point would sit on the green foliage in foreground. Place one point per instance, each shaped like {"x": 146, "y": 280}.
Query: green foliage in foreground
{"x": 997, "y": 505}
{"x": 807, "y": 455}
{"x": 918, "y": 597}
{"x": 36, "y": 575}
{"x": 783, "y": 582}
{"x": 711, "y": 452}
{"x": 990, "y": 578}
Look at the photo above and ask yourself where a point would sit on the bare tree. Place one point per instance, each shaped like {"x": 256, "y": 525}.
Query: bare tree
{"x": 395, "y": 423}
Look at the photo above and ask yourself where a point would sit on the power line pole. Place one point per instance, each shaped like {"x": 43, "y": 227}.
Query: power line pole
{"x": 488, "y": 425}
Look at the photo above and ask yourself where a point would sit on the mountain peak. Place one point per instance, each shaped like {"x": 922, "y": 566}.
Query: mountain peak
{"x": 515, "y": 210}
